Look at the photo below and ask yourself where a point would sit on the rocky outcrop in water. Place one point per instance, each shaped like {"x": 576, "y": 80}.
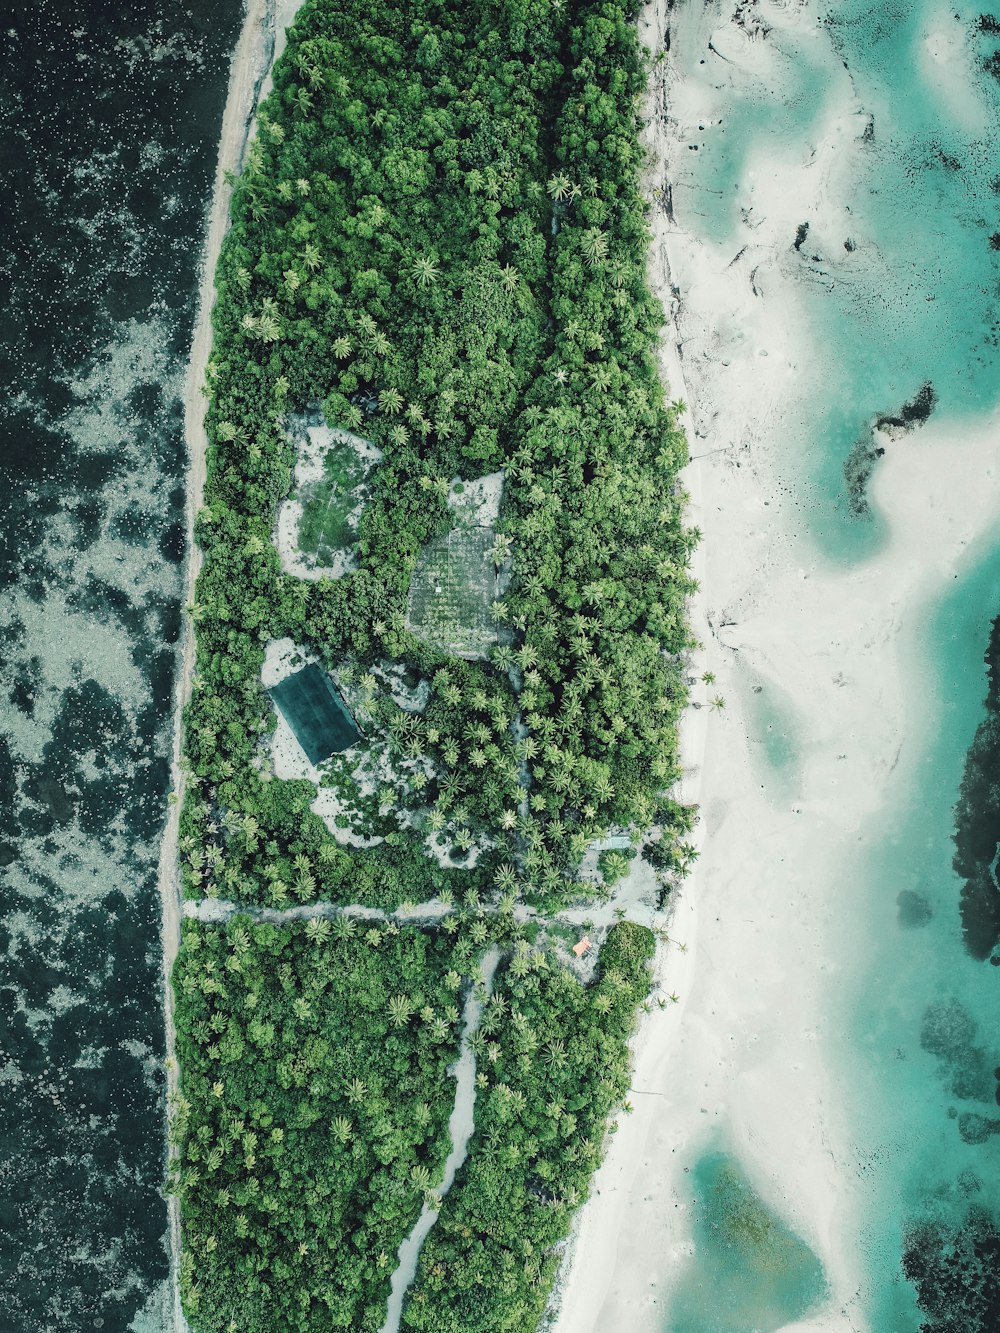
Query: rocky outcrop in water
{"x": 954, "y": 1273}
{"x": 977, "y": 820}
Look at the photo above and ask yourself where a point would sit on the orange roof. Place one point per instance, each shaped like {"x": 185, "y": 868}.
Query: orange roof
{"x": 581, "y": 947}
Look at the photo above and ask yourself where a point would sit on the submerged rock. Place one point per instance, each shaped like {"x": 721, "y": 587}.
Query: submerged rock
{"x": 976, "y": 1128}
{"x": 947, "y": 1030}
{"x": 914, "y": 909}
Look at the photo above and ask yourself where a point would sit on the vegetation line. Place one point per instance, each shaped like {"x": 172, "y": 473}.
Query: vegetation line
{"x": 251, "y": 58}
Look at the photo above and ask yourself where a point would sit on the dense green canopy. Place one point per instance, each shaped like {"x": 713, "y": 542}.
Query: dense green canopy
{"x": 439, "y": 237}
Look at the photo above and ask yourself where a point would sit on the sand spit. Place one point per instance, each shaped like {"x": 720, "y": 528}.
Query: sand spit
{"x": 251, "y": 63}
{"x": 748, "y": 1050}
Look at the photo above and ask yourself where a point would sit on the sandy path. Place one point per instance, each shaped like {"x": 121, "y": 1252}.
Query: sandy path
{"x": 634, "y": 898}
{"x": 250, "y": 63}
{"x": 461, "y": 1127}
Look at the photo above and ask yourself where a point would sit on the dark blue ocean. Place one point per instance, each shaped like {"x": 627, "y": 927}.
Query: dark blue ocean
{"x": 110, "y": 112}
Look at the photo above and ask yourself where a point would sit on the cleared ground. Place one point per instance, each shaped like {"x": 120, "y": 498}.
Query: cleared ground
{"x": 328, "y": 503}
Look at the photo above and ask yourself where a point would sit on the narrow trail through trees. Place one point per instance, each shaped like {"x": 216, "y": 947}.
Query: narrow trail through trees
{"x": 595, "y": 917}
{"x": 460, "y": 1128}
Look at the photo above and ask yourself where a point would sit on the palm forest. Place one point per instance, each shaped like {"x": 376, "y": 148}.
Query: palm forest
{"x": 436, "y": 267}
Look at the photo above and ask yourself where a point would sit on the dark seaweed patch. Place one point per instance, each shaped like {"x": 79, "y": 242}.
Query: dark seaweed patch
{"x": 954, "y": 1271}
{"x": 914, "y": 909}
{"x": 109, "y": 116}
{"x": 858, "y": 468}
{"x": 949, "y": 1032}
{"x": 977, "y": 819}
{"x": 915, "y": 412}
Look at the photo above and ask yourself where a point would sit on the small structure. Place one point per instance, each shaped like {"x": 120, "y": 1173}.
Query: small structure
{"x": 460, "y": 576}
{"x": 581, "y": 947}
{"x": 318, "y": 717}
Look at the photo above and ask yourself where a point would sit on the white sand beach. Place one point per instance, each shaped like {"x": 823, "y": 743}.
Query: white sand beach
{"x": 747, "y": 1050}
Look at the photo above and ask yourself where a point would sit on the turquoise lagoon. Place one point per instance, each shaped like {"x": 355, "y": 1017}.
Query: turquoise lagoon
{"x": 753, "y": 1274}
{"x": 900, "y": 273}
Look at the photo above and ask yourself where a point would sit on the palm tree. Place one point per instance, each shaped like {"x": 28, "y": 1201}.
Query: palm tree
{"x": 344, "y": 927}
{"x": 559, "y": 187}
{"x": 505, "y": 877}
{"x": 503, "y": 657}
{"x": 521, "y": 962}
{"x": 400, "y": 1009}
{"x": 555, "y": 1053}
{"x": 357, "y": 1091}
{"x": 595, "y": 247}
{"x": 600, "y": 378}
{"x": 425, "y": 271}
{"x": 317, "y": 929}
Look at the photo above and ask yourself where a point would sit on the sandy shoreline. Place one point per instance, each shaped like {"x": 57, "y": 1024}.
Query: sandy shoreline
{"x": 250, "y": 64}
{"x": 746, "y": 1058}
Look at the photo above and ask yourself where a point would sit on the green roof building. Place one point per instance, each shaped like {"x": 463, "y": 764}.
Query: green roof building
{"x": 318, "y": 717}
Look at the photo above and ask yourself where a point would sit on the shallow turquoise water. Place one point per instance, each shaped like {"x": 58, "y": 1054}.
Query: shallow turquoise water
{"x": 752, "y": 1274}
{"x": 911, "y": 299}
{"x": 774, "y": 741}
{"x": 920, "y": 1014}
{"x": 915, "y": 300}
